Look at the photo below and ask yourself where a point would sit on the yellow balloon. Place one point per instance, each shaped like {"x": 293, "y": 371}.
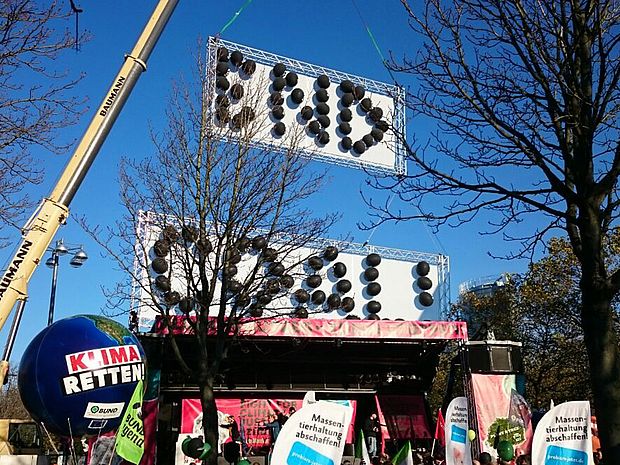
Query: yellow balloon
{"x": 471, "y": 434}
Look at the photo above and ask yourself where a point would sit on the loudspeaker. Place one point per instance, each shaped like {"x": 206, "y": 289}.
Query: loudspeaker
{"x": 494, "y": 357}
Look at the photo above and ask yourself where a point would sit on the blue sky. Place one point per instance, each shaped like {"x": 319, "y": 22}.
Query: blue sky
{"x": 328, "y": 33}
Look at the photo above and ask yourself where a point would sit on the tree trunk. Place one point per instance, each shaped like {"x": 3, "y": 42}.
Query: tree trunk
{"x": 602, "y": 345}
{"x": 209, "y": 417}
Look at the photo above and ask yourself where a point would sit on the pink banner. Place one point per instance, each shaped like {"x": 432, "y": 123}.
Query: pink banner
{"x": 150, "y": 409}
{"x": 501, "y": 411}
{"x": 250, "y": 414}
{"x": 346, "y": 329}
{"x": 404, "y": 417}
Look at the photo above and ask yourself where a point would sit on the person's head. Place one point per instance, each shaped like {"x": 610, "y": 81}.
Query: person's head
{"x": 485, "y": 458}
{"x": 523, "y": 460}
{"x": 292, "y": 410}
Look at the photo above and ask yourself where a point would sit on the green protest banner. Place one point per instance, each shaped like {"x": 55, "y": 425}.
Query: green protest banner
{"x": 130, "y": 434}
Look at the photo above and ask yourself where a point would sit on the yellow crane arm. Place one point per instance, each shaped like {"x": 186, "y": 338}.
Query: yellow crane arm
{"x": 53, "y": 211}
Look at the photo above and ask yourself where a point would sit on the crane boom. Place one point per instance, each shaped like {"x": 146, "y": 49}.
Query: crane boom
{"x": 39, "y": 231}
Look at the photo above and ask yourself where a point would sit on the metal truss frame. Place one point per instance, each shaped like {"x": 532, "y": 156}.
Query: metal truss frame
{"x": 442, "y": 262}
{"x": 308, "y": 69}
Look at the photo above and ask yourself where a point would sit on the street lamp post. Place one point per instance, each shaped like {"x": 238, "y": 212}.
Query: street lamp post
{"x": 59, "y": 250}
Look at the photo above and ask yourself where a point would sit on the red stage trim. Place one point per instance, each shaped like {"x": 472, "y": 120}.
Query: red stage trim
{"x": 330, "y": 328}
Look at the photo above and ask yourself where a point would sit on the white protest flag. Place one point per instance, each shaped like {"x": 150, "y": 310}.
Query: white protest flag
{"x": 456, "y": 426}
{"x": 314, "y": 435}
{"x": 563, "y": 436}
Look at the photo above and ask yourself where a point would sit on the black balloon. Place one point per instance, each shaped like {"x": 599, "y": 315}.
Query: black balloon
{"x": 279, "y": 128}
{"x": 236, "y": 91}
{"x": 323, "y": 137}
{"x": 297, "y": 96}
{"x": 323, "y": 81}
{"x": 318, "y": 297}
{"x": 189, "y": 233}
{"x": 248, "y": 67}
{"x": 255, "y": 312}
{"x": 373, "y": 259}
{"x": 346, "y": 86}
{"x": 222, "y": 83}
{"x": 359, "y": 147}
{"x": 259, "y": 243}
{"x": 301, "y": 312}
{"x": 287, "y": 281}
{"x": 161, "y": 247}
{"x": 222, "y": 101}
{"x": 291, "y": 79}
{"x": 279, "y": 69}
{"x": 316, "y": 263}
{"x": 159, "y": 265}
{"x": 263, "y": 298}
{"x": 333, "y": 301}
{"x": 276, "y": 268}
{"x": 172, "y": 297}
{"x": 382, "y": 125}
{"x": 236, "y": 58}
{"x": 221, "y": 69}
{"x": 373, "y": 289}
{"x": 347, "y": 143}
{"x": 278, "y": 112}
{"x": 301, "y": 295}
{"x": 170, "y": 233}
{"x": 377, "y": 134}
{"x": 426, "y": 299}
{"x": 340, "y": 269}
{"x": 366, "y": 104}
{"x": 348, "y": 304}
{"x": 279, "y": 83}
{"x": 269, "y": 254}
{"x": 343, "y": 286}
{"x": 345, "y": 127}
{"x": 422, "y": 268}
{"x": 375, "y": 114}
{"x": 204, "y": 246}
{"x": 322, "y": 95}
{"x": 276, "y": 98}
{"x": 359, "y": 92}
{"x": 346, "y": 115}
{"x": 322, "y": 108}
{"x": 371, "y": 273}
{"x": 330, "y": 253}
{"x": 162, "y": 283}
{"x": 222, "y": 54}
{"x": 306, "y": 113}
{"x": 234, "y": 286}
{"x": 314, "y": 127}
{"x": 424, "y": 283}
{"x": 373, "y": 306}
{"x": 314, "y": 281}
{"x": 347, "y": 99}
{"x": 324, "y": 121}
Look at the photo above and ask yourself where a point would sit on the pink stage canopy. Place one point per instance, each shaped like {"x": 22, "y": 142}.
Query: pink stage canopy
{"x": 330, "y": 328}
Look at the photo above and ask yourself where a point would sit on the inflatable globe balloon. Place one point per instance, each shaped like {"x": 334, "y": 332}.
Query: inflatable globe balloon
{"x": 471, "y": 434}
{"x": 77, "y": 375}
{"x": 505, "y": 450}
